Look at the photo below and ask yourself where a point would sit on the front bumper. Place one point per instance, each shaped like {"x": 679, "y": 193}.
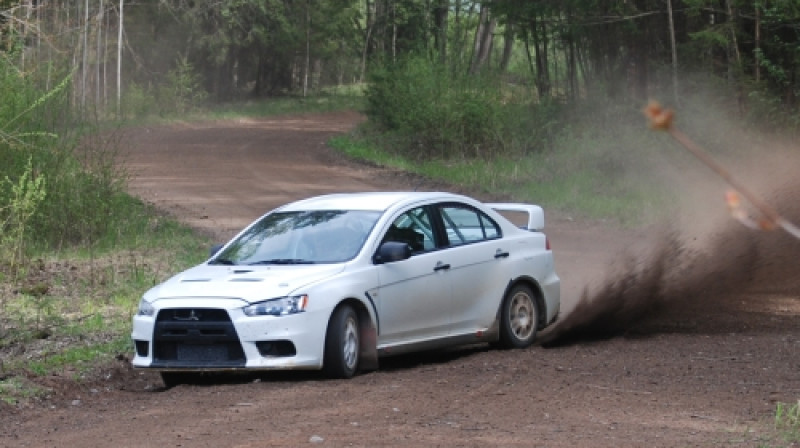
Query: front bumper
{"x": 218, "y": 336}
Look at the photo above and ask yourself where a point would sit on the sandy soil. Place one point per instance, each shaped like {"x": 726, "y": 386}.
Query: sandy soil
{"x": 663, "y": 342}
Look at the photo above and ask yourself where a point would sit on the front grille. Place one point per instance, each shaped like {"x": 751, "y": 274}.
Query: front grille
{"x": 196, "y": 337}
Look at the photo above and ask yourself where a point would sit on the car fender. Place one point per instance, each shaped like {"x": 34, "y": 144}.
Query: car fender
{"x": 537, "y": 292}
{"x": 350, "y": 287}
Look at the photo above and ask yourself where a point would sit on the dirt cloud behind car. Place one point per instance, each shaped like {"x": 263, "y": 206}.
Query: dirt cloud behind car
{"x": 699, "y": 261}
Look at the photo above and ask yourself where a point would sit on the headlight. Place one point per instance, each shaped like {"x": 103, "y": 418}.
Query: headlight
{"x": 278, "y": 307}
{"x": 145, "y": 308}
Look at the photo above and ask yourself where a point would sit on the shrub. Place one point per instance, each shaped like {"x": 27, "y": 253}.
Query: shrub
{"x": 433, "y": 113}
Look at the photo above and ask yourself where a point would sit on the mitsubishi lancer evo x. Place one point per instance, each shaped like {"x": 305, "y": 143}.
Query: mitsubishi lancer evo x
{"x": 334, "y": 282}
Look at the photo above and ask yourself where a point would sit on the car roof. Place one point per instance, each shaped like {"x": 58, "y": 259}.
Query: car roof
{"x": 378, "y": 201}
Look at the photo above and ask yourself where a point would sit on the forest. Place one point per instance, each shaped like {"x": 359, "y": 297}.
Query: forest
{"x": 565, "y": 51}
{"x": 437, "y": 79}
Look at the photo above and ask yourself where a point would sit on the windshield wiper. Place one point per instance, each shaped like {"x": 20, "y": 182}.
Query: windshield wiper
{"x": 224, "y": 261}
{"x": 283, "y": 261}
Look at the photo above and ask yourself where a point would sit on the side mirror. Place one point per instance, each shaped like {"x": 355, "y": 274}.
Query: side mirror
{"x": 214, "y": 249}
{"x": 392, "y": 251}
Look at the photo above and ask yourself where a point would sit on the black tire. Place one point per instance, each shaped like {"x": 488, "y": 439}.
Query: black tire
{"x": 519, "y": 316}
{"x": 342, "y": 344}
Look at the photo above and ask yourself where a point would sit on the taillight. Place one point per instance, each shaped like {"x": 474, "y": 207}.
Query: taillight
{"x": 547, "y": 243}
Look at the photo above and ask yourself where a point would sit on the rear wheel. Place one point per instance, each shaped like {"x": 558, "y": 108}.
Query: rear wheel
{"x": 342, "y": 344}
{"x": 519, "y": 316}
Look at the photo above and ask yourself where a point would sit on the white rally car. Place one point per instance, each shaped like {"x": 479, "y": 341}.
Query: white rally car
{"x": 335, "y": 281}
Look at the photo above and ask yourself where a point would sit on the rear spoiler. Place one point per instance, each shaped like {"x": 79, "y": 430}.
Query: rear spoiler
{"x": 535, "y": 213}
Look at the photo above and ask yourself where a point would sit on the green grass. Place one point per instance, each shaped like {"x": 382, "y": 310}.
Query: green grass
{"x": 332, "y": 100}
{"x": 80, "y": 359}
{"x": 17, "y": 389}
{"x": 83, "y": 321}
{"x": 787, "y": 422}
{"x": 288, "y": 106}
{"x": 782, "y": 432}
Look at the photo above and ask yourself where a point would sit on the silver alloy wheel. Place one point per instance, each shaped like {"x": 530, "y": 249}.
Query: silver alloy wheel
{"x": 522, "y": 315}
{"x": 350, "y": 343}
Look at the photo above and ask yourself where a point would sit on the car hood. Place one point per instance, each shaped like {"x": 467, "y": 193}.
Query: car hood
{"x": 249, "y": 283}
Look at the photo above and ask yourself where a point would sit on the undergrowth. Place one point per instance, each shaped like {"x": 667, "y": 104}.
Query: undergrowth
{"x": 593, "y": 159}
{"x": 73, "y": 311}
{"x": 787, "y": 422}
{"x": 76, "y": 251}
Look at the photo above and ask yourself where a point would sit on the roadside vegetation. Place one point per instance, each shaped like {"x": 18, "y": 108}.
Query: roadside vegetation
{"x": 787, "y": 423}
{"x": 592, "y": 158}
{"x": 76, "y": 251}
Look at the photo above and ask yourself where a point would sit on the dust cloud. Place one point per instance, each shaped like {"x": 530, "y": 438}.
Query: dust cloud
{"x": 702, "y": 270}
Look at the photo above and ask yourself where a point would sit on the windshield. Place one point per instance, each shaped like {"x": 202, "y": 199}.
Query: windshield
{"x": 303, "y": 237}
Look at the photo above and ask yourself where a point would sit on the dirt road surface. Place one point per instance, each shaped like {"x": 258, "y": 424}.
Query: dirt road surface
{"x": 680, "y": 374}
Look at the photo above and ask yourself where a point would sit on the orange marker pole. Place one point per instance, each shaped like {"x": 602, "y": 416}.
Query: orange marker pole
{"x": 661, "y": 119}
{"x": 769, "y": 213}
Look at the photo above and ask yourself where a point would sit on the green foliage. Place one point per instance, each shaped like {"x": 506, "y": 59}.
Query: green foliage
{"x": 787, "y": 417}
{"x": 24, "y": 197}
{"x": 74, "y": 312}
{"x": 61, "y": 192}
{"x": 182, "y": 92}
{"x": 16, "y": 389}
{"x": 599, "y": 161}
{"x": 137, "y": 102}
{"x": 335, "y": 101}
{"x": 432, "y": 113}
{"x": 787, "y": 424}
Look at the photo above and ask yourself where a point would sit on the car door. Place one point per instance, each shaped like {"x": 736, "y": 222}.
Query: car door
{"x": 413, "y": 297}
{"x": 478, "y": 264}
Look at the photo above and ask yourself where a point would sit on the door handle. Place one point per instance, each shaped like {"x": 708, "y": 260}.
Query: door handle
{"x": 441, "y": 266}
{"x": 501, "y": 254}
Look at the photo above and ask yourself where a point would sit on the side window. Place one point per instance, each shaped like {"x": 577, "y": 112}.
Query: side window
{"x": 413, "y": 228}
{"x": 466, "y": 225}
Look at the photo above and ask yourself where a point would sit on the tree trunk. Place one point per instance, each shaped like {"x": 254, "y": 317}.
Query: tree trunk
{"x": 99, "y": 53}
{"x": 394, "y": 32}
{"x": 483, "y": 40}
{"x": 307, "y": 62}
{"x": 508, "y": 47}
{"x": 758, "y": 42}
{"x": 85, "y": 70}
{"x": 476, "y": 46}
{"x": 370, "y": 26}
{"x": 674, "y": 52}
{"x": 734, "y": 41}
{"x": 24, "y": 32}
{"x": 107, "y": 27}
{"x": 440, "y": 24}
{"x": 119, "y": 56}
{"x": 540, "y": 46}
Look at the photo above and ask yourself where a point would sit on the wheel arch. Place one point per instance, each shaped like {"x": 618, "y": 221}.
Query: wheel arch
{"x": 368, "y": 354}
{"x": 538, "y": 295}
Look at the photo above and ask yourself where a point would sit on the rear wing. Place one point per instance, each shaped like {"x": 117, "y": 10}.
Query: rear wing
{"x": 534, "y": 212}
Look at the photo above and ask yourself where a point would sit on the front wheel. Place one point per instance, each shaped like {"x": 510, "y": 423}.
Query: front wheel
{"x": 342, "y": 344}
{"x": 519, "y": 316}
